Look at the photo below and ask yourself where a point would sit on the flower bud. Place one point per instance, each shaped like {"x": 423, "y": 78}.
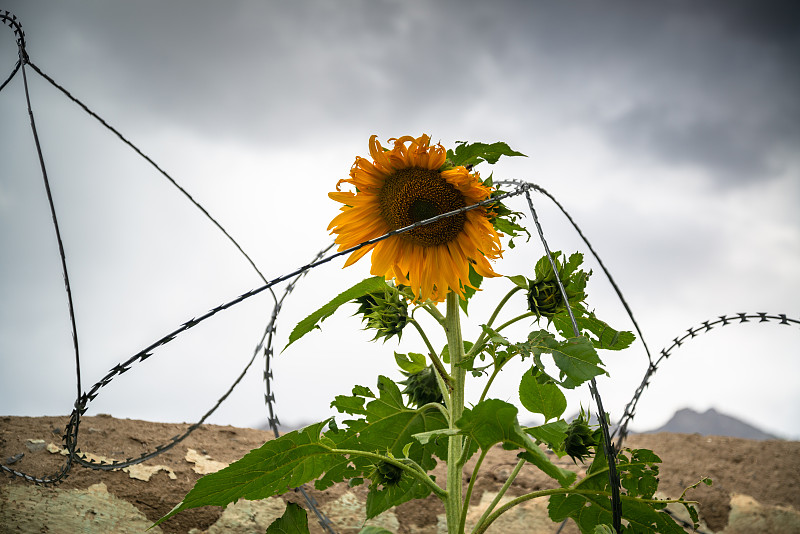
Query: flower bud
{"x": 384, "y": 311}
{"x": 544, "y": 298}
{"x": 387, "y": 474}
{"x": 580, "y": 439}
{"x": 422, "y": 388}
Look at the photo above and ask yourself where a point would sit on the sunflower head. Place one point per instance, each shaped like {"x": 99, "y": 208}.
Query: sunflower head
{"x": 405, "y": 185}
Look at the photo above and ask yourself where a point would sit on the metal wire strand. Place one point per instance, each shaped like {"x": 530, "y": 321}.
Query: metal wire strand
{"x": 608, "y": 446}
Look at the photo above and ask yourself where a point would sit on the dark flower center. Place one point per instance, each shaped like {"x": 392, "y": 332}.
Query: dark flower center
{"x": 414, "y": 194}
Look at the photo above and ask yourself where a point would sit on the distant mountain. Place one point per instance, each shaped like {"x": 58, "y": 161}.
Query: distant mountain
{"x": 711, "y": 422}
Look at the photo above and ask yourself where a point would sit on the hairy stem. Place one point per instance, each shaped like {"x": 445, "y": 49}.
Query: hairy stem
{"x": 500, "y": 494}
{"x": 514, "y": 320}
{"x": 434, "y": 312}
{"x": 463, "y": 521}
{"x": 455, "y": 345}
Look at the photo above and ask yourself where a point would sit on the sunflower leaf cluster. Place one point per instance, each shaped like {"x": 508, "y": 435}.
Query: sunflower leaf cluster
{"x": 544, "y": 295}
{"x": 638, "y": 472}
{"x": 545, "y": 300}
{"x": 575, "y": 358}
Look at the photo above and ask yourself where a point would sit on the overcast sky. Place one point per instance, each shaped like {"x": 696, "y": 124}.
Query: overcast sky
{"x": 668, "y": 130}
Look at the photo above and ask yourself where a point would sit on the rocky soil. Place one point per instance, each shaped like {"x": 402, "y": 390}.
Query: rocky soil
{"x": 755, "y": 489}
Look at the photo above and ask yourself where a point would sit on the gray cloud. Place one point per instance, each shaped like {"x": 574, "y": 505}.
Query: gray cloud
{"x": 680, "y": 82}
{"x": 597, "y": 94}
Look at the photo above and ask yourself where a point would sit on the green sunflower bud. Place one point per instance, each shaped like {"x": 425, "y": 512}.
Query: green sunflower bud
{"x": 386, "y": 474}
{"x": 384, "y": 311}
{"x": 422, "y": 388}
{"x": 581, "y": 438}
{"x": 544, "y": 296}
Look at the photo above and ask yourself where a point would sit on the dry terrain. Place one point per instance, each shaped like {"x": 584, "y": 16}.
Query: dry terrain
{"x": 755, "y": 483}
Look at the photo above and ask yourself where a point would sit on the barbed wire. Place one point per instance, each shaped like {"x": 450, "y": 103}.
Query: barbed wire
{"x": 608, "y": 445}
{"x": 691, "y": 333}
{"x": 265, "y": 344}
{"x": 71, "y": 431}
{"x": 11, "y": 21}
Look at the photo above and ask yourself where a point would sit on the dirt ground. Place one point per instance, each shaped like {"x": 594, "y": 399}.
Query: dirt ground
{"x": 768, "y": 471}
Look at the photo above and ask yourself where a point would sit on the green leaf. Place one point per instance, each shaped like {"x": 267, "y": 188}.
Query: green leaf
{"x": 519, "y": 281}
{"x": 387, "y": 427}
{"x": 293, "y": 521}
{"x": 445, "y": 355}
{"x": 351, "y": 405}
{"x": 604, "y": 529}
{"x": 562, "y": 506}
{"x": 553, "y": 434}
{"x": 643, "y": 518}
{"x": 604, "y": 337}
{"x": 510, "y": 228}
{"x": 363, "y": 391}
{"x": 312, "y": 321}
{"x": 577, "y": 360}
{"x": 369, "y": 529}
{"x": 474, "y": 153}
{"x": 544, "y": 398}
{"x": 411, "y": 363}
{"x": 425, "y": 437}
{"x": 380, "y": 499}
{"x": 639, "y": 472}
{"x": 637, "y": 469}
{"x": 494, "y": 421}
{"x": 286, "y": 462}
{"x": 575, "y": 357}
{"x": 693, "y": 515}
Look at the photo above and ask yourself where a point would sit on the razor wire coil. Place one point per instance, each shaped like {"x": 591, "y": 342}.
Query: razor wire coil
{"x": 265, "y": 344}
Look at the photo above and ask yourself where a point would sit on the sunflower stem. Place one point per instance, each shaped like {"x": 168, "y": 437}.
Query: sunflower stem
{"x": 463, "y": 520}
{"x": 499, "y": 495}
{"x": 455, "y": 345}
{"x": 434, "y": 312}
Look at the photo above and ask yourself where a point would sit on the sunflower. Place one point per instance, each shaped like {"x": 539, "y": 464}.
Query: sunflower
{"x": 406, "y": 185}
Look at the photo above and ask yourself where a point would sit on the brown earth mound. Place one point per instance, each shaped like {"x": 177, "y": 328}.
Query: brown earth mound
{"x": 766, "y": 471}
